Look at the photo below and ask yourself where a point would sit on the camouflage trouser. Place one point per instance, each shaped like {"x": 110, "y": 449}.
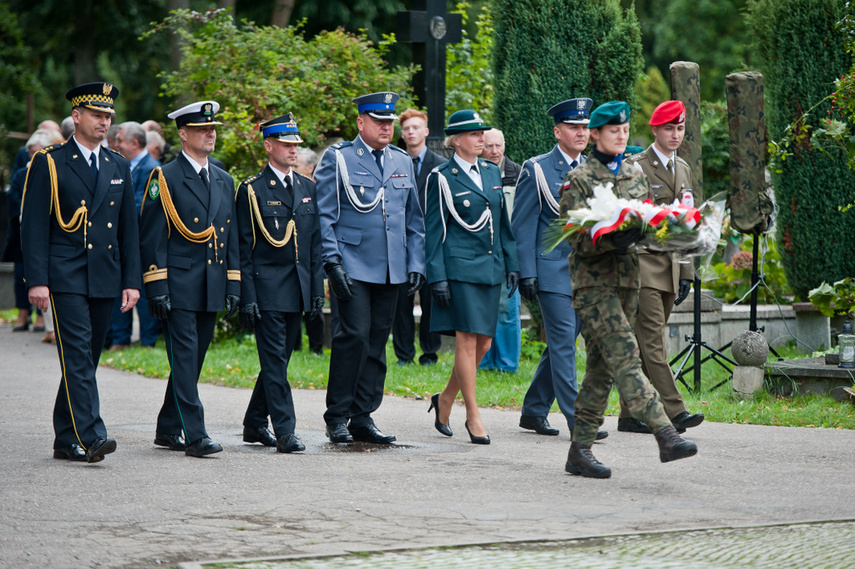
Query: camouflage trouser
{"x": 608, "y": 316}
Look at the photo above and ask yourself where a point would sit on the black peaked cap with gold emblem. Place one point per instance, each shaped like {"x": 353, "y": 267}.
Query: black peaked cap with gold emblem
{"x": 98, "y": 96}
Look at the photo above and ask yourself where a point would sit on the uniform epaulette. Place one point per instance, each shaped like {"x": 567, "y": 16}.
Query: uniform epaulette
{"x": 636, "y": 157}
{"x": 342, "y": 144}
{"x": 303, "y": 176}
{"x": 251, "y": 179}
{"x": 51, "y": 148}
{"x": 490, "y": 161}
{"x": 401, "y": 150}
{"x": 116, "y": 152}
{"x": 680, "y": 160}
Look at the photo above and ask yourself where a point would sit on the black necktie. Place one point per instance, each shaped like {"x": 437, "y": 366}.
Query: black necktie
{"x": 203, "y": 173}
{"x": 416, "y": 166}
{"x": 378, "y": 155}
{"x": 93, "y": 165}
{"x": 288, "y": 188}
{"x": 573, "y": 164}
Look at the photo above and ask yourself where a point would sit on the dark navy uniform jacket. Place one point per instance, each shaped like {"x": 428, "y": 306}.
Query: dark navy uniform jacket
{"x": 281, "y": 279}
{"x": 466, "y": 256}
{"x": 196, "y": 275}
{"x": 100, "y": 257}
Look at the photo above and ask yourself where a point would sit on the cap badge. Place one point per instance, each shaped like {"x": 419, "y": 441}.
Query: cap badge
{"x": 107, "y": 88}
{"x": 208, "y": 109}
{"x": 477, "y": 117}
{"x": 623, "y": 116}
{"x": 388, "y": 98}
{"x": 682, "y": 117}
{"x": 580, "y": 105}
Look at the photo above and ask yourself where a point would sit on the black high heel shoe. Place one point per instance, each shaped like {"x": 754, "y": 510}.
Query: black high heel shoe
{"x": 441, "y": 427}
{"x": 485, "y": 440}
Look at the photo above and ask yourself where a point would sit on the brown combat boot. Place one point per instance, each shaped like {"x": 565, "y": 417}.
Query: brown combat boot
{"x": 672, "y": 446}
{"x": 580, "y": 460}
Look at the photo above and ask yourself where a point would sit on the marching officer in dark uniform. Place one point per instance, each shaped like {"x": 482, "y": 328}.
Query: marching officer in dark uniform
{"x": 81, "y": 250}
{"x": 190, "y": 255}
{"x": 281, "y": 277}
{"x": 372, "y": 231}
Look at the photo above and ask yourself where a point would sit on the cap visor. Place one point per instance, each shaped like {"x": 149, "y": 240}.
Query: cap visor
{"x": 379, "y": 117}
{"x": 203, "y": 123}
{"x": 110, "y": 110}
{"x": 575, "y": 121}
{"x": 288, "y": 138}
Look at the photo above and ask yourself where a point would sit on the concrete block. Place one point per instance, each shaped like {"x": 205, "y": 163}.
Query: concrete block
{"x": 747, "y": 380}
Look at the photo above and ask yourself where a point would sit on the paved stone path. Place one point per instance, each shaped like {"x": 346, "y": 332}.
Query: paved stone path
{"x": 148, "y": 507}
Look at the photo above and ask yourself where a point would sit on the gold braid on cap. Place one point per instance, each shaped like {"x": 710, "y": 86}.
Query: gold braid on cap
{"x": 81, "y": 214}
{"x": 290, "y": 229}
{"x": 172, "y": 217}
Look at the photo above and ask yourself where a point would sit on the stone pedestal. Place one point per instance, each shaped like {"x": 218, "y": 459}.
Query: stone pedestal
{"x": 747, "y": 380}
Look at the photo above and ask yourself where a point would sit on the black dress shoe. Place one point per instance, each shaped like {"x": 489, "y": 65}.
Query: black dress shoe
{"x": 441, "y": 427}
{"x": 172, "y": 442}
{"x": 98, "y": 448}
{"x": 338, "y": 433}
{"x": 539, "y": 425}
{"x": 72, "y": 452}
{"x": 289, "y": 443}
{"x": 203, "y": 447}
{"x": 260, "y": 435}
{"x": 485, "y": 440}
{"x": 581, "y": 461}
{"x": 602, "y": 435}
{"x": 685, "y": 421}
{"x": 630, "y": 425}
{"x": 371, "y": 434}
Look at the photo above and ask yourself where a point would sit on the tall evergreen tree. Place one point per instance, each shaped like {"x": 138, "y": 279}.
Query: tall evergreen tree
{"x": 547, "y": 51}
{"x": 800, "y": 52}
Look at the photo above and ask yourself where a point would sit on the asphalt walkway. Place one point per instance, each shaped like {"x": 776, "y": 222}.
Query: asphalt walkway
{"x": 149, "y": 507}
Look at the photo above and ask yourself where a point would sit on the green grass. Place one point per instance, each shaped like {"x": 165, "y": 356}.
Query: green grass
{"x": 234, "y": 363}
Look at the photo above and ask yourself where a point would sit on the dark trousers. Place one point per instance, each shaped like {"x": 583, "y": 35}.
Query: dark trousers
{"x": 358, "y": 357}
{"x": 81, "y": 325}
{"x": 188, "y": 335}
{"x": 271, "y": 396}
{"x": 122, "y": 324}
{"x": 404, "y": 328}
{"x": 314, "y": 331}
{"x": 22, "y": 294}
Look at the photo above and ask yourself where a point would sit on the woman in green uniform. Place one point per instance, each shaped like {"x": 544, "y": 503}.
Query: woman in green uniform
{"x": 470, "y": 250}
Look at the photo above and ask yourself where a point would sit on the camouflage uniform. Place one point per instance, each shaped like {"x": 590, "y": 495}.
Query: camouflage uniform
{"x": 605, "y": 296}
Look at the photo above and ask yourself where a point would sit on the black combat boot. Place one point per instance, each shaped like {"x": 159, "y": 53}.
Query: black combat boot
{"x": 672, "y": 446}
{"x": 580, "y": 460}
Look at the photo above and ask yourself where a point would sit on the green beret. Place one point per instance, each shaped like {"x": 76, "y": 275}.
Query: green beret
{"x": 630, "y": 150}
{"x": 465, "y": 121}
{"x": 613, "y": 112}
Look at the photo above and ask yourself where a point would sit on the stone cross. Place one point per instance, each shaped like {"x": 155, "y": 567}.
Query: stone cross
{"x": 429, "y": 27}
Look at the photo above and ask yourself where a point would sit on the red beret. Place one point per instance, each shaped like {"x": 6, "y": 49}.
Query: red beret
{"x": 669, "y": 111}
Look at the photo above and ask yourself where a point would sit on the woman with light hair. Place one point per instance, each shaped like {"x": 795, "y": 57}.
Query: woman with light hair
{"x": 12, "y": 253}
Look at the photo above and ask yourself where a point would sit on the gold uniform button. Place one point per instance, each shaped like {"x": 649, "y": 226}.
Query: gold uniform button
{"x": 222, "y": 245}
{"x": 228, "y": 221}
{"x": 195, "y": 220}
{"x": 109, "y": 225}
{"x": 112, "y": 204}
{"x": 90, "y": 245}
{"x": 221, "y": 262}
{"x": 209, "y": 261}
{"x": 82, "y": 202}
{"x": 210, "y": 246}
{"x": 109, "y": 246}
{"x": 89, "y": 224}
{"x": 222, "y": 229}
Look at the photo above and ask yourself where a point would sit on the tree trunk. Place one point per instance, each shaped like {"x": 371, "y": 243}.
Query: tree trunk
{"x": 282, "y": 13}
{"x": 85, "y": 70}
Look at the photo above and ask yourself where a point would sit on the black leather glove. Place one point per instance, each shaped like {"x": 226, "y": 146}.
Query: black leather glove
{"x": 232, "y": 303}
{"x": 416, "y": 281}
{"x": 685, "y": 287}
{"x": 159, "y": 306}
{"x": 528, "y": 288}
{"x": 623, "y": 239}
{"x": 440, "y": 294}
{"x": 340, "y": 281}
{"x": 317, "y": 307}
{"x": 513, "y": 281}
{"x": 248, "y": 315}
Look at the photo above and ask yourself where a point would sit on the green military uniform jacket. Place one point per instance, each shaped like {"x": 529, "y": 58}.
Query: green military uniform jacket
{"x": 662, "y": 271}
{"x": 601, "y": 265}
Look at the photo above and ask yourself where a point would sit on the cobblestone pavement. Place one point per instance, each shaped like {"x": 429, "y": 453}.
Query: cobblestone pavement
{"x": 146, "y": 507}
{"x": 814, "y": 546}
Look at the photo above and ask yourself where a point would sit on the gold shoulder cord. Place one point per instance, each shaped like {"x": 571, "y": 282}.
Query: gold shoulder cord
{"x": 173, "y": 217}
{"x": 290, "y": 229}
{"x": 81, "y": 214}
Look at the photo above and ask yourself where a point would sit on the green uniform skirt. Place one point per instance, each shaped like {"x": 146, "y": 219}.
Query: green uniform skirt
{"x": 474, "y": 308}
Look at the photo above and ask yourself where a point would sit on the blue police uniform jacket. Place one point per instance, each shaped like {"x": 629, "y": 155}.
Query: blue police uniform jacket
{"x": 279, "y": 276}
{"x": 196, "y": 272}
{"x": 532, "y": 219}
{"x": 140, "y": 174}
{"x": 455, "y": 253}
{"x": 371, "y": 243}
{"x": 97, "y": 253}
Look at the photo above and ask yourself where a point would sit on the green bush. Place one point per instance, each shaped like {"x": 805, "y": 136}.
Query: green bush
{"x": 716, "y": 147}
{"x": 547, "y": 51}
{"x": 734, "y": 278}
{"x": 259, "y": 72}
{"x": 468, "y": 75}
{"x": 801, "y": 52}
